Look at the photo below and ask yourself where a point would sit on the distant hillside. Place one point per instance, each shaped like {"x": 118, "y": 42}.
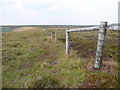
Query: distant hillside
{"x": 114, "y": 26}
{"x": 9, "y": 28}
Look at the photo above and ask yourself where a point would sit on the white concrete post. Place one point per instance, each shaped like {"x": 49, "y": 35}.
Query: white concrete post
{"x": 100, "y": 45}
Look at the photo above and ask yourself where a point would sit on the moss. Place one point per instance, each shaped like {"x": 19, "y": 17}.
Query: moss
{"x": 45, "y": 82}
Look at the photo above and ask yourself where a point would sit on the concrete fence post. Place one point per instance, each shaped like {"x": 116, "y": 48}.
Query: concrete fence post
{"x": 100, "y": 45}
{"x": 67, "y": 42}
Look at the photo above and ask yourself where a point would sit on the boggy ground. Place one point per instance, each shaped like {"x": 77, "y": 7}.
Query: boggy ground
{"x": 31, "y": 59}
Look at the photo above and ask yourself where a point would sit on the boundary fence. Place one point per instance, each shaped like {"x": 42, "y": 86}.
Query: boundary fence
{"x": 101, "y": 39}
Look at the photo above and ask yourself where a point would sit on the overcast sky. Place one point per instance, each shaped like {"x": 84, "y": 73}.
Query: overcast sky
{"x": 58, "y": 12}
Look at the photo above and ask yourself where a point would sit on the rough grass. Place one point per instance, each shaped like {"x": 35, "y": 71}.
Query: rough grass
{"x": 31, "y": 59}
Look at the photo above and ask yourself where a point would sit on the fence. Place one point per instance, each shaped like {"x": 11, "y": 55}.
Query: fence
{"x": 101, "y": 39}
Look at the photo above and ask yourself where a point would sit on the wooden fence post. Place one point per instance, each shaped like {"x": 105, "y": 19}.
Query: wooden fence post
{"x": 51, "y": 34}
{"x": 67, "y": 42}
{"x": 100, "y": 45}
{"x": 55, "y": 36}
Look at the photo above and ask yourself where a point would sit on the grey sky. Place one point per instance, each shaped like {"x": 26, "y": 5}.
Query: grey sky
{"x": 58, "y": 12}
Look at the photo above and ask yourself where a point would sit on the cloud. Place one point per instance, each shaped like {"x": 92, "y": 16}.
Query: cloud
{"x": 19, "y": 8}
{"x": 0, "y": 15}
{"x": 54, "y": 8}
{"x": 30, "y": 1}
{"x": 63, "y": 11}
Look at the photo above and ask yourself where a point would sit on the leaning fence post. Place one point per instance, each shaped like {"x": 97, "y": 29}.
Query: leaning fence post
{"x": 100, "y": 45}
{"x": 67, "y": 42}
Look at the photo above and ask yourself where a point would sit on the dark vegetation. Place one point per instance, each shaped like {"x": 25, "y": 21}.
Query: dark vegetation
{"x": 31, "y": 59}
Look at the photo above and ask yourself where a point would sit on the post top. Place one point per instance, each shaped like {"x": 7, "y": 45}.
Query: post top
{"x": 67, "y": 29}
{"x": 103, "y": 21}
{"x": 103, "y": 24}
